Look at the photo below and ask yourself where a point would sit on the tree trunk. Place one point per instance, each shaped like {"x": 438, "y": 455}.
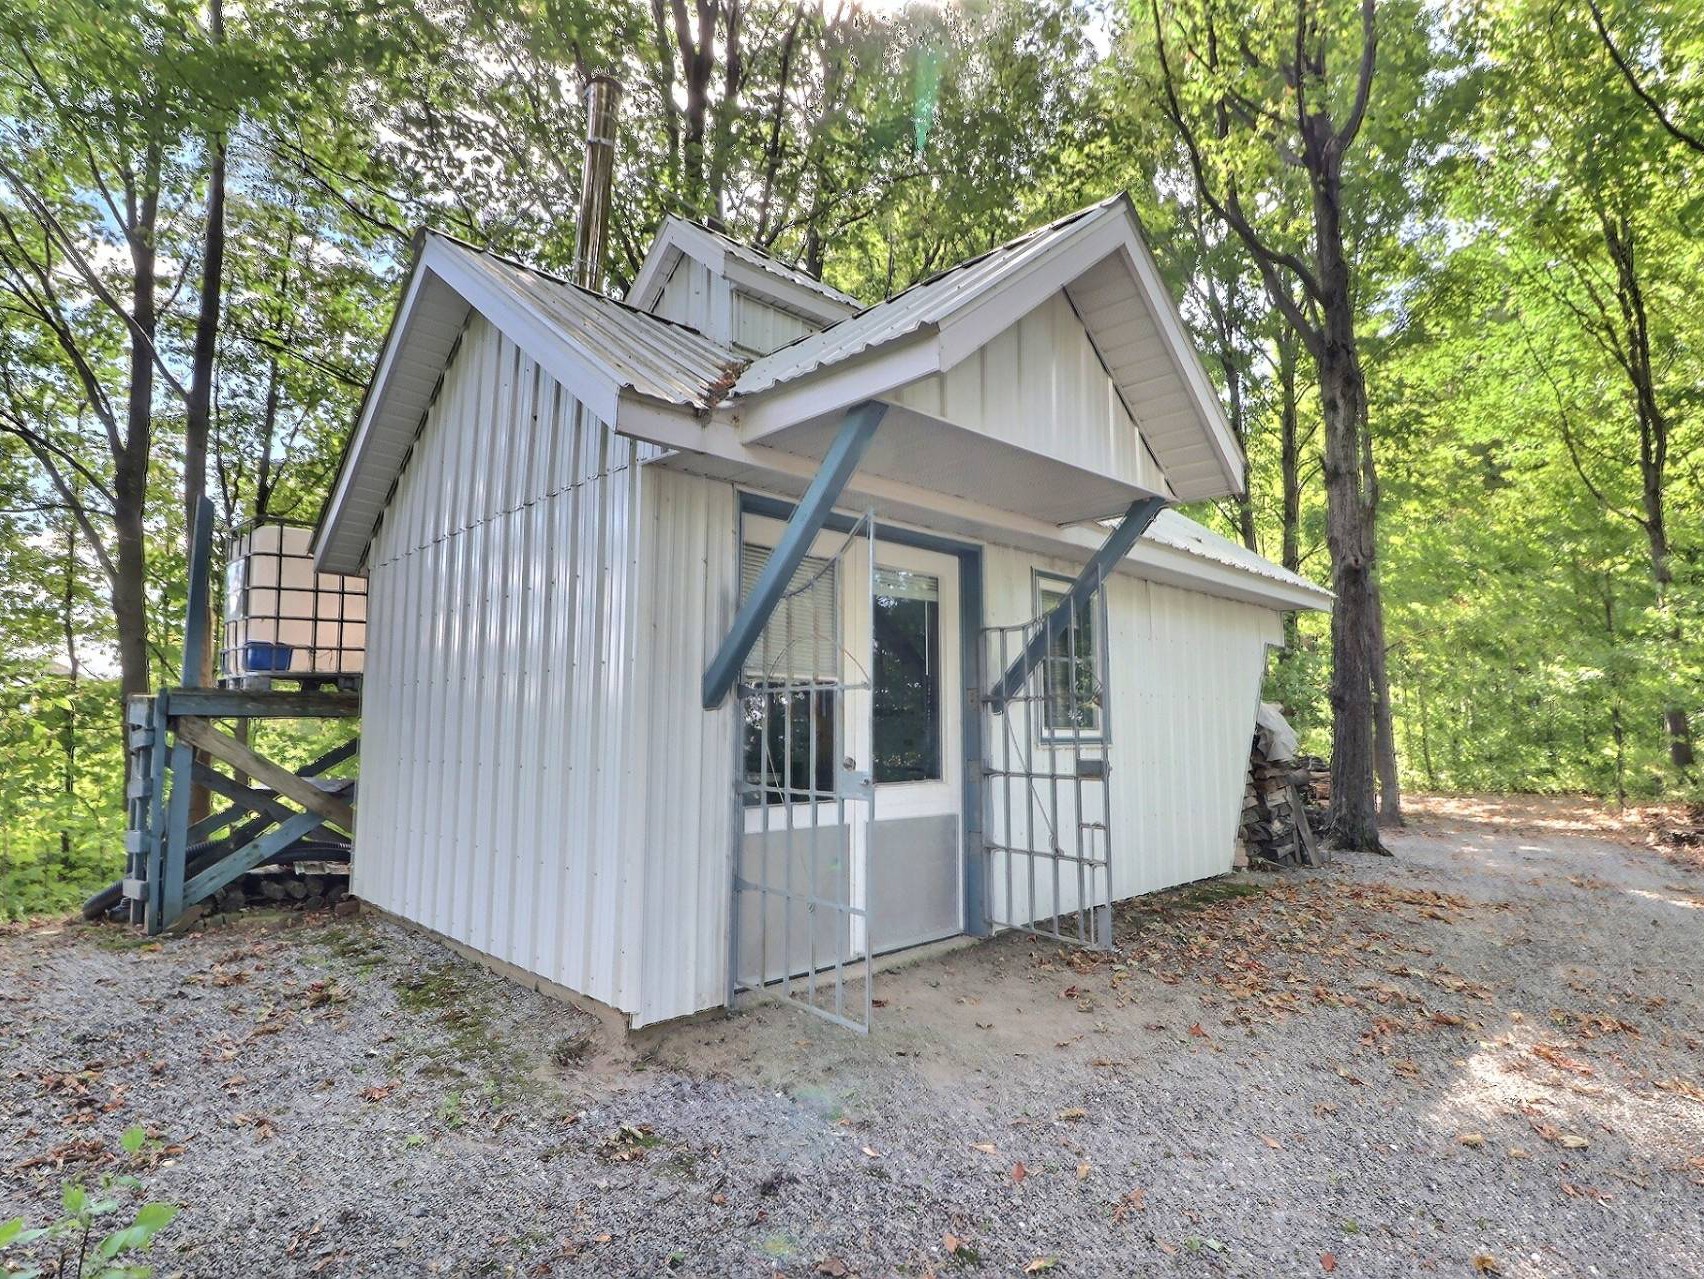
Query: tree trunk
{"x": 73, "y": 673}
{"x": 1384, "y": 725}
{"x": 1633, "y": 353}
{"x": 198, "y": 412}
{"x": 1289, "y": 466}
{"x": 1232, "y": 370}
{"x": 1351, "y": 501}
{"x": 695, "y": 41}
{"x": 130, "y": 479}
{"x": 1354, "y": 822}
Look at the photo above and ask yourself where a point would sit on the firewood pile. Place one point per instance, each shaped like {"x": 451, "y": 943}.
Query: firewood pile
{"x": 1284, "y": 801}
{"x": 1688, "y": 831}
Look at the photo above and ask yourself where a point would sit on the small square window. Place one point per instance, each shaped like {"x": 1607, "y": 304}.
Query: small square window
{"x": 1071, "y": 678}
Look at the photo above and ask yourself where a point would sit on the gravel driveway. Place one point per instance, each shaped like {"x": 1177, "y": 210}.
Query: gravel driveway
{"x": 1483, "y": 1056}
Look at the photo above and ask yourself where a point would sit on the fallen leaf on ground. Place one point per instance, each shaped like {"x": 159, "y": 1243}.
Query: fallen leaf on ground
{"x": 1485, "y": 1264}
{"x": 872, "y": 1152}
{"x": 1019, "y": 1172}
{"x": 1685, "y": 1087}
{"x": 834, "y": 1267}
{"x": 1039, "y": 1264}
{"x": 1083, "y": 1171}
{"x": 1134, "y": 1200}
{"x": 951, "y": 1242}
{"x": 1272, "y": 1141}
{"x": 1561, "y": 1060}
{"x": 1328, "y": 1261}
{"x": 1572, "y": 1141}
{"x": 1073, "y": 1114}
{"x": 1197, "y": 1031}
{"x": 986, "y": 1147}
{"x": 1472, "y": 1140}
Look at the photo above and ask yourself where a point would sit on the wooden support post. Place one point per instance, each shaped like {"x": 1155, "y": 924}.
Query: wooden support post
{"x": 156, "y": 843}
{"x": 175, "y": 856}
{"x": 198, "y": 732}
{"x": 197, "y": 625}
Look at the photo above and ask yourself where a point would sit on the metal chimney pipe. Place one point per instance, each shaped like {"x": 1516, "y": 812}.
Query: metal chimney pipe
{"x": 603, "y": 99}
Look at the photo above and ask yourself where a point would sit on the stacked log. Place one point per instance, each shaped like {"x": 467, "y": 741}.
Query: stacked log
{"x": 283, "y": 888}
{"x": 1282, "y": 814}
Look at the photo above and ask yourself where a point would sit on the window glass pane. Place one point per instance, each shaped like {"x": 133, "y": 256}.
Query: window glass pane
{"x": 906, "y": 744}
{"x": 1070, "y": 683}
{"x": 789, "y": 703}
{"x": 789, "y": 745}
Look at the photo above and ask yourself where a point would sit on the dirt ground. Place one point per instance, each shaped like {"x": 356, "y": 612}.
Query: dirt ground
{"x": 1485, "y": 1055}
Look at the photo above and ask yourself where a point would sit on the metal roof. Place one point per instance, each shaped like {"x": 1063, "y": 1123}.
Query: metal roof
{"x": 626, "y": 349}
{"x": 657, "y": 358}
{"x": 605, "y": 348}
{"x": 754, "y": 256}
{"x": 908, "y": 312}
{"x": 1176, "y": 530}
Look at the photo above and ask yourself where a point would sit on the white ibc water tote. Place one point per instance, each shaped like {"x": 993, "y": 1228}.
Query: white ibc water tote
{"x": 284, "y": 620}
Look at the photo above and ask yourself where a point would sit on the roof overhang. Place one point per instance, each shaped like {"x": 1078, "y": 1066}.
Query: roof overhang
{"x": 448, "y": 283}
{"x": 713, "y": 449}
{"x": 946, "y": 458}
{"x": 1105, "y": 269}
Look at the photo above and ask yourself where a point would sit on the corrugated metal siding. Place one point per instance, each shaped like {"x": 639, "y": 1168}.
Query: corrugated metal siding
{"x": 492, "y": 793}
{"x": 1043, "y": 370}
{"x": 686, "y": 297}
{"x": 762, "y": 328}
{"x": 1185, "y": 679}
{"x": 688, "y": 587}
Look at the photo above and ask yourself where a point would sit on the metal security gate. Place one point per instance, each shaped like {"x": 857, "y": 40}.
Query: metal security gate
{"x": 803, "y": 794}
{"x": 1047, "y": 811}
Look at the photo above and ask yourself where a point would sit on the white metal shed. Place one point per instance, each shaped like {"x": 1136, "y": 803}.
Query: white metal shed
{"x": 733, "y": 637}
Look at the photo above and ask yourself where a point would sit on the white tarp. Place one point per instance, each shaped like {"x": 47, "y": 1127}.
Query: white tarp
{"x": 1277, "y": 740}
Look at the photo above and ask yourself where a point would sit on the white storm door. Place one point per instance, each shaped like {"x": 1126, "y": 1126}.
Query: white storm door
{"x": 912, "y": 859}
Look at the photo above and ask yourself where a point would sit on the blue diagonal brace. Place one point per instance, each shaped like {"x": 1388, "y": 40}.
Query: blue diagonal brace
{"x": 1117, "y": 545}
{"x": 850, "y": 444}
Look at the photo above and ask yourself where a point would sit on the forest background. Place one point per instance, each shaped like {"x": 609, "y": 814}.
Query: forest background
{"x": 205, "y": 210}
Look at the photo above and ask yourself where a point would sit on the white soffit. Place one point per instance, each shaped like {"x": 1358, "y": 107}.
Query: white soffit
{"x": 937, "y": 455}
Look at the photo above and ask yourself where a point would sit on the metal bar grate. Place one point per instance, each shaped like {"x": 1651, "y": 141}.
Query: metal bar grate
{"x": 803, "y": 805}
{"x": 1047, "y": 798}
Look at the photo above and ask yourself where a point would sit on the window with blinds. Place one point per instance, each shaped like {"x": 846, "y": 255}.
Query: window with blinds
{"x": 802, "y": 640}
